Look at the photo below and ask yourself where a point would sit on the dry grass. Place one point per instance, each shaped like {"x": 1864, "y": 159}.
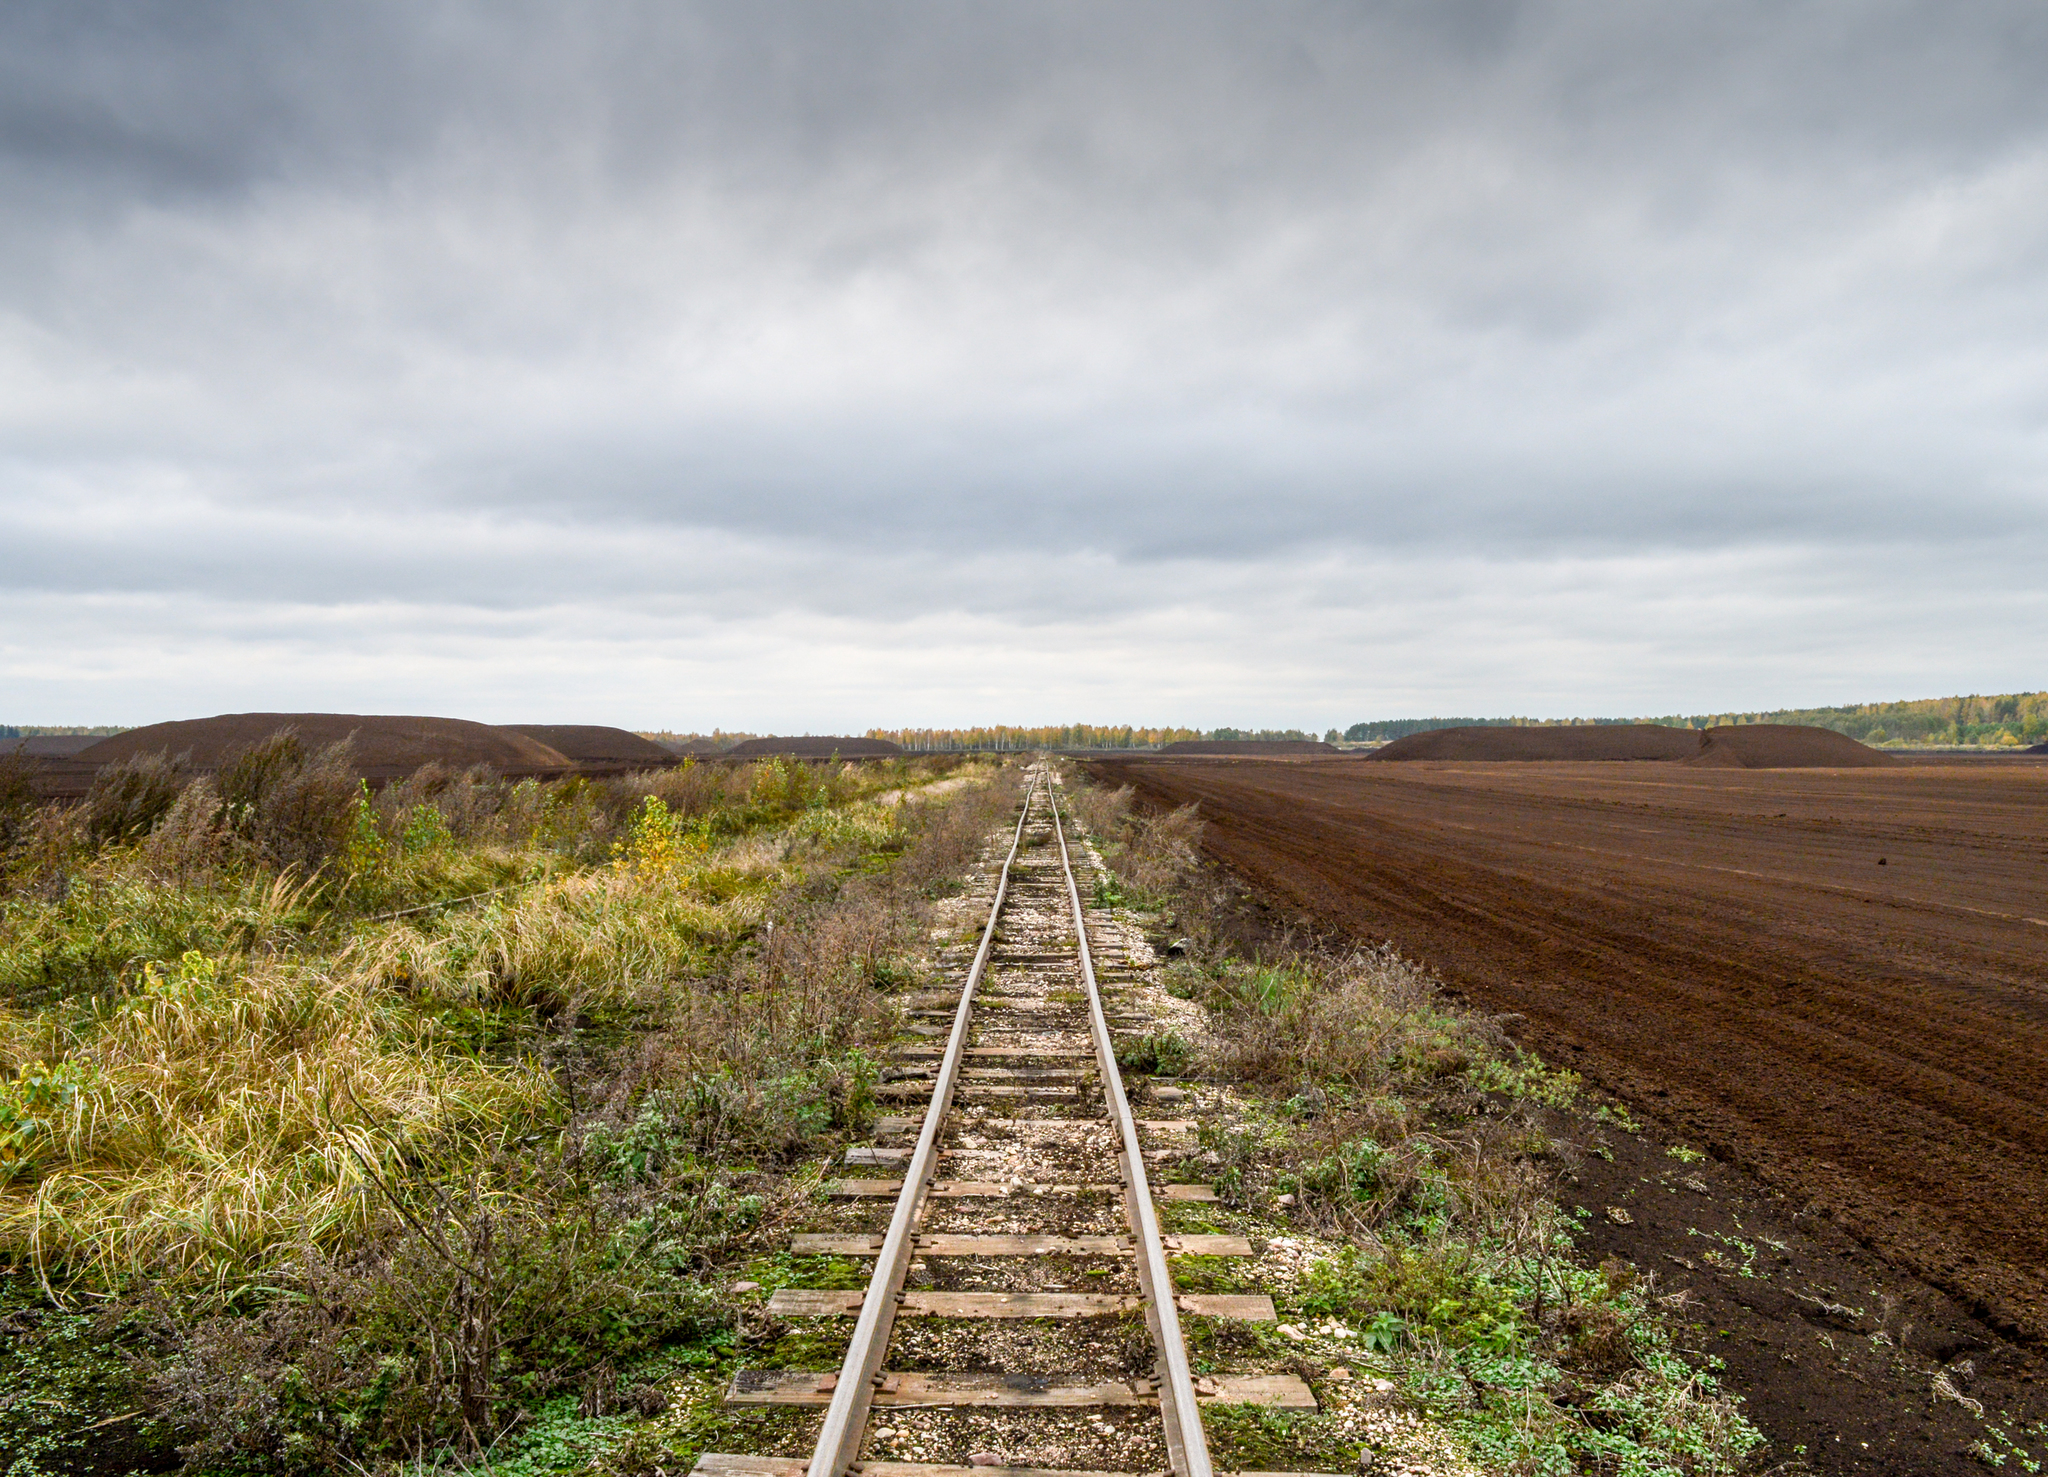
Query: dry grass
{"x": 611, "y": 937}
{"x": 202, "y": 1053}
{"x": 17, "y": 800}
{"x": 1153, "y": 856}
{"x": 1360, "y": 1020}
{"x": 206, "y": 1117}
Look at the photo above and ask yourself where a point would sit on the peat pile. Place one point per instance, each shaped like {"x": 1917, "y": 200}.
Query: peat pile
{"x": 50, "y": 745}
{"x": 1261, "y": 748}
{"x": 814, "y": 748}
{"x": 1602, "y": 741}
{"x": 1784, "y": 746}
{"x": 594, "y": 746}
{"x": 1743, "y": 746}
{"x": 386, "y": 747}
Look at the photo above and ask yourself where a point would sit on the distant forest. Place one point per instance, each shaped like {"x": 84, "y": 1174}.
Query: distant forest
{"x": 717, "y": 738}
{"x": 1073, "y": 736}
{"x": 2007, "y": 719}
{"x": 40, "y": 730}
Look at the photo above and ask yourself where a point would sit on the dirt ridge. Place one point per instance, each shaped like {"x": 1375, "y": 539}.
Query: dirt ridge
{"x": 386, "y": 746}
{"x": 595, "y": 744}
{"x": 1739, "y": 746}
{"x": 808, "y": 747}
{"x": 1256, "y": 748}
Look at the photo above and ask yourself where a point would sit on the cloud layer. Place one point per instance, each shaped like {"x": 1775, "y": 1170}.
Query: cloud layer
{"x": 810, "y": 367}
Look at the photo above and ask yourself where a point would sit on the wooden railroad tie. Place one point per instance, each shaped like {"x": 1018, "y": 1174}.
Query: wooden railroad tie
{"x": 885, "y": 1127}
{"x": 807, "y": 1302}
{"x": 1023, "y": 1391}
{"x": 924, "y": 1077}
{"x": 719, "y": 1464}
{"x": 940, "y": 1244}
{"x": 932, "y": 1053}
{"x": 916, "y": 1089}
{"x": 974, "y": 1189}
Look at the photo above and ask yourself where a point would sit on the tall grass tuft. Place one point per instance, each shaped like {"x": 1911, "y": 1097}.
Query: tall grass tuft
{"x": 210, "y": 1115}
{"x": 1359, "y": 1020}
{"x": 618, "y": 936}
{"x": 17, "y": 802}
{"x": 128, "y": 799}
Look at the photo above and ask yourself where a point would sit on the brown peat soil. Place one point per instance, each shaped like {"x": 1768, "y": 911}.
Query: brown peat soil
{"x": 1835, "y": 982}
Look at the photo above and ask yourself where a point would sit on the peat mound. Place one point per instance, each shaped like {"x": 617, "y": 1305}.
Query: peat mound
{"x": 1784, "y": 746}
{"x": 1258, "y": 747}
{"x": 1617, "y": 741}
{"x": 595, "y": 744}
{"x": 50, "y": 745}
{"x": 814, "y": 748}
{"x": 2035, "y": 749}
{"x": 386, "y": 747}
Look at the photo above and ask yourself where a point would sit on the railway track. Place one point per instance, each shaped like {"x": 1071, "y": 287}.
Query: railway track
{"x": 1020, "y": 1317}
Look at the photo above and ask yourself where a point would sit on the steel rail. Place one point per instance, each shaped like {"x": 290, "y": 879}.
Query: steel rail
{"x": 846, "y": 1417}
{"x": 1187, "y": 1445}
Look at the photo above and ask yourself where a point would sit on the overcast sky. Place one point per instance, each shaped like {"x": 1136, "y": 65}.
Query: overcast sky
{"x": 808, "y": 367}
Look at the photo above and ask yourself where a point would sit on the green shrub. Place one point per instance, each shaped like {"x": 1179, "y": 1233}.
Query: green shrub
{"x": 1164, "y": 1053}
{"x": 33, "y": 1106}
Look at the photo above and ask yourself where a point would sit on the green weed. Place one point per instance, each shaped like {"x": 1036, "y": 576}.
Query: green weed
{"x": 1161, "y": 1053}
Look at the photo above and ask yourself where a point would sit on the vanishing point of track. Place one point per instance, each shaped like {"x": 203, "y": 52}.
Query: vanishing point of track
{"x": 1060, "y": 1240}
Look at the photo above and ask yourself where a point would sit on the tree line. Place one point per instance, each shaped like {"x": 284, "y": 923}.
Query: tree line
{"x": 1002, "y": 737}
{"x": 2005, "y": 719}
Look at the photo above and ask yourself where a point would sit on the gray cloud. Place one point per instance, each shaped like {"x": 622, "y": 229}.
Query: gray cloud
{"x": 703, "y": 321}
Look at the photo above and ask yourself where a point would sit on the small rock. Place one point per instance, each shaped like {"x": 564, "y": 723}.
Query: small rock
{"x": 746, "y": 1287}
{"x": 1619, "y": 1216}
{"x": 883, "y": 1433}
{"x": 1290, "y": 1332}
{"x": 1170, "y": 1094}
{"x": 1284, "y": 1200}
{"x": 983, "y": 1459}
{"x": 1339, "y": 1375}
